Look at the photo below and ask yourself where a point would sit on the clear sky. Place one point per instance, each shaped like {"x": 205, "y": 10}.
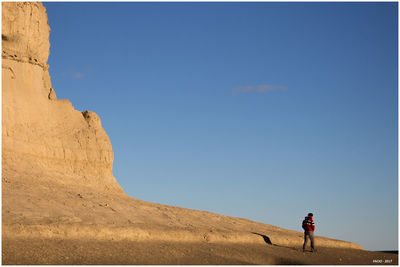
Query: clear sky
{"x": 265, "y": 111}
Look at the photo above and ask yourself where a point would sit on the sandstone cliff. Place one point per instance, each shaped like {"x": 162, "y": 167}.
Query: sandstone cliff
{"x": 43, "y": 136}
{"x": 58, "y": 185}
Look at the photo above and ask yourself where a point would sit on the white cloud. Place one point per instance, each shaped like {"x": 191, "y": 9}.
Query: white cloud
{"x": 266, "y": 88}
{"x": 259, "y": 88}
{"x": 78, "y": 75}
{"x": 244, "y": 88}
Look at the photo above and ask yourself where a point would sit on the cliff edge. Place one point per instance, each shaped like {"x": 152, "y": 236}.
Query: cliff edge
{"x": 43, "y": 136}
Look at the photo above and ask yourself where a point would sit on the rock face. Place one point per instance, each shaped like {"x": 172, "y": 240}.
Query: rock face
{"x": 25, "y": 33}
{"x": 43, "y": 136}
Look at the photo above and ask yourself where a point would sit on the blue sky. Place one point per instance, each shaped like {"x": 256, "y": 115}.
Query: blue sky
{"x": 265, "y": 111}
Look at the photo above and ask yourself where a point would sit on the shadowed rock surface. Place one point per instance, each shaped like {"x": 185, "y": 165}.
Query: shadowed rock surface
{"x": 62, "y": 205}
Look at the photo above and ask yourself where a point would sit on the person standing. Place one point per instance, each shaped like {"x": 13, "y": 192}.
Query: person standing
{"x": 309, "y": 227}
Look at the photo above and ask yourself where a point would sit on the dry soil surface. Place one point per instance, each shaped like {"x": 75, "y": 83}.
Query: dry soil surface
{"x": 58, "y": 251}
{"x": 54, "y": 224}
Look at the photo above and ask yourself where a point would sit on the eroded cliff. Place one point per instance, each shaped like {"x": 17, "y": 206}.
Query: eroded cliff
{"x": 45, "y": 137}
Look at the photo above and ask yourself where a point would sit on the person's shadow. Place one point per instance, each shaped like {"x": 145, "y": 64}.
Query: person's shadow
{"x": 266, "y": 238}
{"x": 269, "y": 242}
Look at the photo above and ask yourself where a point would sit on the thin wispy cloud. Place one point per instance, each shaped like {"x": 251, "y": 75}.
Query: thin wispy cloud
{"x": 78, "y": 75}
{"x": 244, "y": 89}
{"x": 266, "y": 88}
{"x": 259, "y": 88}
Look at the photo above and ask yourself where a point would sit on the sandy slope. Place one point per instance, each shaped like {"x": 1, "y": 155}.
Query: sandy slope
{"x": 54, "y": 224}
{"x": 41, "y": 208}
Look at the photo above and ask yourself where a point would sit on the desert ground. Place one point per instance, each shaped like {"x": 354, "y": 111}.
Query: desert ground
{"x": 56, "y": 224}
{"x": 59, "y": 251}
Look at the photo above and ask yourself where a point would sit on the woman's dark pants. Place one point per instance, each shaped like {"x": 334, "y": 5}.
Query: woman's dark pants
{"x": 308, "y": 235}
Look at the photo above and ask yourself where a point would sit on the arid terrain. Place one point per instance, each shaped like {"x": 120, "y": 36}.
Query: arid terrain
{"x": 62, "y": 205}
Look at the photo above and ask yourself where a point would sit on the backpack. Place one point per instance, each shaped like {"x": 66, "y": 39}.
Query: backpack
{"x": 304, "y": 224}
